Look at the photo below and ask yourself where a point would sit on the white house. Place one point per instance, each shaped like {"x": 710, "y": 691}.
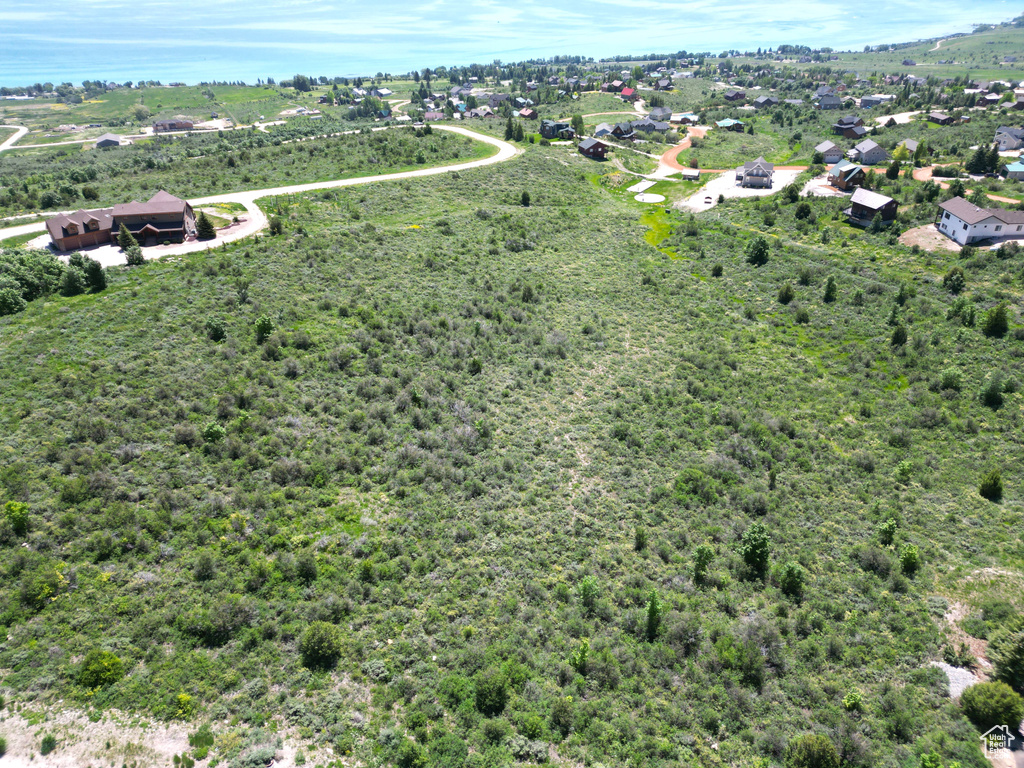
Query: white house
{"x": 755, "y": 173}
{"x": 831, "y": 153}
{"x": 966, "y": 223}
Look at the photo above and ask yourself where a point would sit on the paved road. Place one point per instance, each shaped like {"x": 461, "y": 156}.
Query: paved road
{"x": 256, "y": 220}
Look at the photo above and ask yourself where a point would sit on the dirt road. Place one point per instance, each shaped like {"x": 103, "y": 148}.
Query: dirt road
{"x": 20, "y": 131}
{"x": 255, "y": 220}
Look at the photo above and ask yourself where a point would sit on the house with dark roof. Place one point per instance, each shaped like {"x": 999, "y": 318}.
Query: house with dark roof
{"x": 865, "y": 205}
{"x": 163, "y": 126}
{"x": 623, "y": 131}
{"x": 664, "y": 84}
{"x": 660, "y": 113}
{"x": 845, "y": 175}
{"x": 111, "y": 140}
{"x": 829, "y": 102}
{"x": 939, "y": 118}
{"x": 843, "y": 123}
{"x": 824, "y": 90}
{"x": 762, "y": 102}
{"x": 162, "y": 217}
{"x": 593, "y": 148}
{"x": 549, "y": 129}
{"x": 755, "y": 173}
{"x": 830, "y": 152}
{"x": 649, "y": 126}
{"x": 868, "y": 153}
{"x": 966, "y": 223}
{"x": 604, "y": 129}
{"x": 732, "y": 95}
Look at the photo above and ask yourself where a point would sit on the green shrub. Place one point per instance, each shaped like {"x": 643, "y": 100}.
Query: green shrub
{"x": 321, "y": 645}
{"x": 214, "y": 432}
{"x": 204, "y": 227}
{"x": 991, "y": 486}
{"x": 491, "y": 691}
{"x": 954, "y": 281}
{"x": 990, "y": 704}
{"x": 910, "y": 560}
{"x": 100, "y": 668}
{"x": 853, "y": 701}
{"x": 887, "y": 532}
{"x": 717, "y": 270}
{"x": 73, "y": 282}
{"x": 831, "y": 290}
{"x": 264, "y": 326}
{"x": 563, "y": 715}
{"x": 757, "y": 251}
{"x": 655, "y": 611}
{"x": 812, "y": 750}
{"x": 899, "y": 336}
{"x": 16, "y": 513}
{"x": 702, "y": 557}
{"x": 786, "y": 294}
{"x": 1006, "y": 650}
{"x": 276, "y": 225}
{"x": 3, "y": 746}
{"x": 215, "y": 329}
{"x": 996, "y": 324}
{"x": 791, "y": 578}
{"x": 755, "y": 548}
{"x": 48, "y": 744}
{"x": 133, "y": 256}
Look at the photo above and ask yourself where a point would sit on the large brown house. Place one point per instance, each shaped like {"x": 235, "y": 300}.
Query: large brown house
{"x": 162, "y": 217}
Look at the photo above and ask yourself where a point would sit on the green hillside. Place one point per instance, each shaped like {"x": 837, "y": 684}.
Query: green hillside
{"x": 468, "y": 481}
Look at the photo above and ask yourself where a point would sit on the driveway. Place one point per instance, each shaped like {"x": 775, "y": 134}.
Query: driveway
{"x": 255, "y": 220}
{"x": 726, "y": 186}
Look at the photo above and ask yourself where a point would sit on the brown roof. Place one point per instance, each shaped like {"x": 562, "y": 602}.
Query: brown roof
{"x": 56, "y": 225}
{"x": 160, "y": 203}
{"x": 972, "y": 214}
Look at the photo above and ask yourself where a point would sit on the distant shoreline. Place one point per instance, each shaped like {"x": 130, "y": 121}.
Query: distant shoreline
{"x": 229, "y": 55}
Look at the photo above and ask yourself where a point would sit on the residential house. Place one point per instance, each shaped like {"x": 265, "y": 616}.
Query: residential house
{"x": 1015, "y": 171}
{"x": 868, "y": 153}
{"x": 865, "y": 205}
{"x": 830, "y": 152}
{"x": 528, "y": 113}
{"x": 649, "y": 126}
{"x": 939, "y": 118}
{"x": 660, "y": 113}
{"x": 909, "y": 63}
{"x": 829, "y": 102}
{"x": 1009, "y": 138}
{"x": 629, "y": 94}
{"x": 623, "y": 131}
{"x": 966, "y": 223}
{"x": 550, "y": 129}
{"x": 178, "y": 124}
{"x": 615, "y": 86}
{"x": 824, "y": 90}
{"x": 910, "y": 144}
{"x": 162, "y": 217}
{"x": 664, "y": 84}
{"x": 729, "y": 124}
{"x": 495, "y": 100}
{"x": 856, "y": 133}
{"x": 593, "y": 148}
{"x": 686, "y": 118}
{"x": 755, "y": 173}
{"x": 382, "y": 93}
{"x": 794, "y": 102}
{"x": 432, "y": 116}
{"x": 845, "y": 175}
{"x": 604, "y": 129}
{"x": 111, "y": 140}
{"x": 732, "y": 95}
{"x": 761, "y": 102}
{"x": 840, "y": 126}
{"x": 990, "y": 99}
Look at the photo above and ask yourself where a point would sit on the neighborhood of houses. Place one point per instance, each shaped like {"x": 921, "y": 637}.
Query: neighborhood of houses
{"x": 849, "y": 156}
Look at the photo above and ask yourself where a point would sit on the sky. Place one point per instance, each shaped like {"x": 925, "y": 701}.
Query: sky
{"x": 194, "y": 40}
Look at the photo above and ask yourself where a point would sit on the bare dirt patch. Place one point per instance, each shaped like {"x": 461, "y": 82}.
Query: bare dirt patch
{"x": 928, "y": 238}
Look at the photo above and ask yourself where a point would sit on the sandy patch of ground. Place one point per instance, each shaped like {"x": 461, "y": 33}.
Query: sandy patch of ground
{"x": 901, "y": 118}
{"x": 725, "y": 185}
{"x": 929, "y": 238}
{"x": 819, "y": 187}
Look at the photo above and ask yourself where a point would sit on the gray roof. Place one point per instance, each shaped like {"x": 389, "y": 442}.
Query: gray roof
{"x": 759, "y": 163}
{"x": 866, "y": 146}
{"x": 109, "y": 137}
{"x": 910, "y": 144}
{"x": 869, "y": 199}
{"x": 825, "y": 146}
{"x": 972, "y": 214}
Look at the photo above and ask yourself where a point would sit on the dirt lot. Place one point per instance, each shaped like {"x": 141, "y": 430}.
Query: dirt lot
{"x": 929, "y": 238}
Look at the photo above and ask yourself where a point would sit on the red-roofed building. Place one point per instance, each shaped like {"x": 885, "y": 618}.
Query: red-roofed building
{"x": 628, "y": 94}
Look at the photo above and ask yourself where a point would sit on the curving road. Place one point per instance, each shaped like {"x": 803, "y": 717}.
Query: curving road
{"x": 256, "y": 220}
{"x": 20, "y": 131}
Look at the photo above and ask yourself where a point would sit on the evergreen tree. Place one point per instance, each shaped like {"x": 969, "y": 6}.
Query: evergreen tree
{"x": 893, "y": 171}
{"x": 992, "y": 159}
{"x": 520, "y": 134}
{"x": 124, "y": 238}
{"x": 204, "y": 227}
{"x": 510, "y": 130}
{"x": 978, "y": 161}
